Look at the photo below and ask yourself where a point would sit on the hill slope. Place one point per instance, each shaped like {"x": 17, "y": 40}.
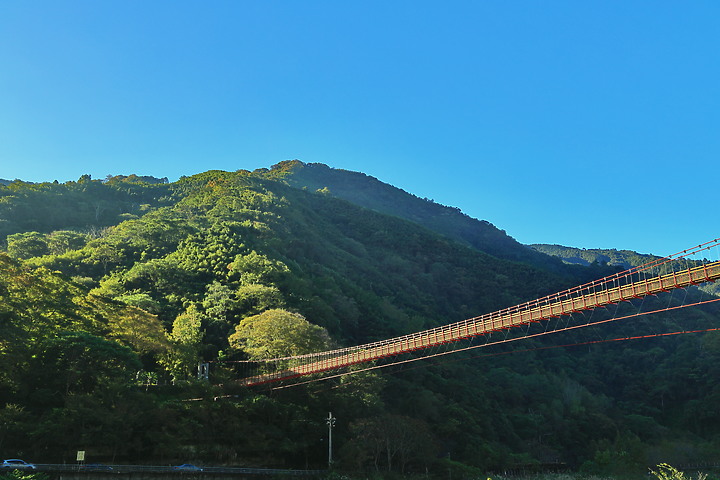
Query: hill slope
{"x": 369, "y": 192}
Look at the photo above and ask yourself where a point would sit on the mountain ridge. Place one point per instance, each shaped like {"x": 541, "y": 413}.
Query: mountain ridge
{"x": 369, "y": 192}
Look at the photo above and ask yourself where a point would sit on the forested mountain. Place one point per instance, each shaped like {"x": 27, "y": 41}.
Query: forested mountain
{"x": 371, "y": 193}
{"x": 112, "y": 290}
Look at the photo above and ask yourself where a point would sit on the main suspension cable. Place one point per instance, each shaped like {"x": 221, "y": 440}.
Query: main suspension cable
{"x": 547, "y": 332}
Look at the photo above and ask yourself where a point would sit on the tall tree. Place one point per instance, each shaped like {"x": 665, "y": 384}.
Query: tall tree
{"x": 278, "y": 333}
{"x": 185, "y": 340}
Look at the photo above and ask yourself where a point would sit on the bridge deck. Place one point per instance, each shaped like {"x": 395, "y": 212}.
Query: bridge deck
{"x": 564, "y": 303}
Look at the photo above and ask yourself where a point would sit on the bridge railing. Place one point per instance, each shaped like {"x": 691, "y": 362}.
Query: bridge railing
{"x": 651, "y": 278}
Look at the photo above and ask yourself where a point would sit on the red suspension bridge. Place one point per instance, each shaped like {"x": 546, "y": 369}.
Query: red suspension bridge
{"x": 661, "y": 275}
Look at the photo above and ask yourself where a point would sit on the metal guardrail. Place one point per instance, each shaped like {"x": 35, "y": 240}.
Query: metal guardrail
{"x": 114, "y": 469}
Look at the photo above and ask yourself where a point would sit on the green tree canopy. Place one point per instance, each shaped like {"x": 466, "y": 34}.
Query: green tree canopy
{"x": 76, "y": 362}
{"x": 278, "y": 333}
{"x": 27, "y": 245}
{"x": 185, "y": 340}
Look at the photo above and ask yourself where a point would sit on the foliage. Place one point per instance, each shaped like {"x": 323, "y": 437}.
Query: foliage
{"x": 20, "y": 475}
{"x": 185, "y": 339}
{"x": 278, "y": 333}
{"x": 390, "y": 443}
{"x": 668, "y": 472}
{"x": 27, "y": 245}
{"x": 84, "y": 205}
{"x": 139, "y": 329}
{"x": 73, "y": 363}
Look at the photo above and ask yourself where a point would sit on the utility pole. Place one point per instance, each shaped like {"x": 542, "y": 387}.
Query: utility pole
{"x": 330, "y": 420}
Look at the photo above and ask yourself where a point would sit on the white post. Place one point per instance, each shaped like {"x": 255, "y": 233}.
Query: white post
{"x": 330, "y": 423}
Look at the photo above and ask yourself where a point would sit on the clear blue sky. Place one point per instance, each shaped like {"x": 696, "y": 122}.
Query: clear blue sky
{"x": 585, "y": 123}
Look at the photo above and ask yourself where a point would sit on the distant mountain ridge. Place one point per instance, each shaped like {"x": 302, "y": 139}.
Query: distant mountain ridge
{"x": 621, "y": 259}
{"x": 587, "y": 256}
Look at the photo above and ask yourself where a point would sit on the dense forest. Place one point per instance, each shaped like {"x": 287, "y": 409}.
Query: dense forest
{"x": 112, "y": 291}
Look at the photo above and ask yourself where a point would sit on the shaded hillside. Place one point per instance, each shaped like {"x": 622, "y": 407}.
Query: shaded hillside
{"x": 371, "y": 193}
